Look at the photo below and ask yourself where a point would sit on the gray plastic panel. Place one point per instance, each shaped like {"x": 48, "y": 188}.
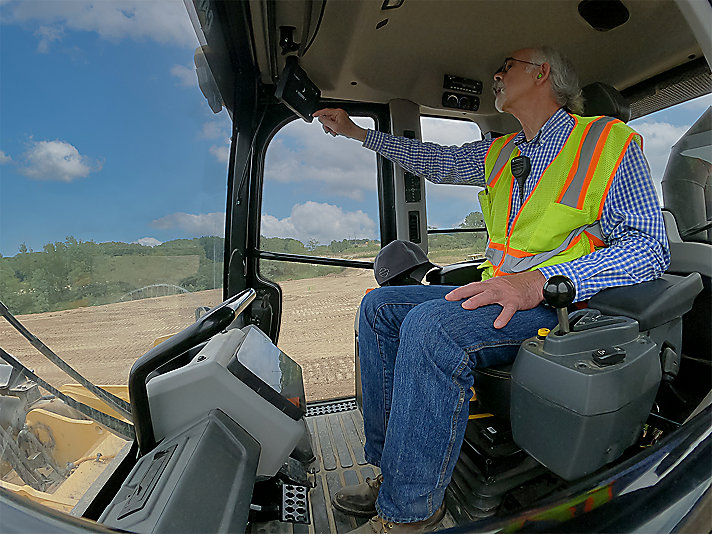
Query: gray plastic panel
{"x": 198, "y": 480}
{"x": 206, "y": 382}
{"x": 573, "y": 415}
{"x": 572, "y": 445}
{"x": 562, "y": 371}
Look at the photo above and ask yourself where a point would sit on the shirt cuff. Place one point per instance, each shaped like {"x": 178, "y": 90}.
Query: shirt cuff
{"x": 374, "y": 140}
{"x": 564, "y": 269}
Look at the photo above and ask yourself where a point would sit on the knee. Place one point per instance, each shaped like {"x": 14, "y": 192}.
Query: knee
{"x": 369, "y": 305}
{"x": 374, "y": 300}
{"x": 423, "y": 320}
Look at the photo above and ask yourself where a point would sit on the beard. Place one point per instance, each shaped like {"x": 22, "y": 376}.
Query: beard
{"x": 499, "y": 97}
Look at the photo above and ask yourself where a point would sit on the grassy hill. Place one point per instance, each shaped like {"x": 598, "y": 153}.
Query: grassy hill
{"x": 71, "y": 274}
{"x": 141, "y": 271}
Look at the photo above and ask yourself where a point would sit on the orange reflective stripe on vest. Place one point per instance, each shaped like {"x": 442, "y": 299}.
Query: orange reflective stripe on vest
{"x": 590, "y": 151}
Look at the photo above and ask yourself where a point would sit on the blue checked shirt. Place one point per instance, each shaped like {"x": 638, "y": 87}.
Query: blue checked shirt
{"x": 631, "y": 222}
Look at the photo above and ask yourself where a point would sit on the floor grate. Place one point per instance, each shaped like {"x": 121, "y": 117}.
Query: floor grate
{"x": 322, "y": 408}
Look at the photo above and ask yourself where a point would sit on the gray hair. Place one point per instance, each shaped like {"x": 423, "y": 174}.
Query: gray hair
{"x": 563, "y": 77}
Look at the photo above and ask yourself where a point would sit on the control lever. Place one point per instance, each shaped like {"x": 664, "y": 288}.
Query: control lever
{"x": 559, "y": 292}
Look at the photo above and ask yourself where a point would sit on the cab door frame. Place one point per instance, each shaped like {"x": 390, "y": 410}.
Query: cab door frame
{"x": 244, "y": 210}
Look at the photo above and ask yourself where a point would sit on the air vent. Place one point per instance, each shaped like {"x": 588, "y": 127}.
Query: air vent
{"x": 603, "y": 15}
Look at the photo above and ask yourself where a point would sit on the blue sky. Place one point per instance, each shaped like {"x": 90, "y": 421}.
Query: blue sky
{"x": 105, "y": 135}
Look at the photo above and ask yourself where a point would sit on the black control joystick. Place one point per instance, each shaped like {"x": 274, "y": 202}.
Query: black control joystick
{"x": 559, "y": 292}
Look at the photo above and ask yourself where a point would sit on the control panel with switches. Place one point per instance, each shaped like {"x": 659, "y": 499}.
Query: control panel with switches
{"x": 454, "y": 85}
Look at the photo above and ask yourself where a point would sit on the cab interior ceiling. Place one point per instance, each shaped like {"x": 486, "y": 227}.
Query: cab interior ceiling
{"x": 357, "y": 51}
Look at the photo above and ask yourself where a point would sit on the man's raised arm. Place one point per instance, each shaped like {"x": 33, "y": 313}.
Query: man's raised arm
{"x": 439, "y": 164}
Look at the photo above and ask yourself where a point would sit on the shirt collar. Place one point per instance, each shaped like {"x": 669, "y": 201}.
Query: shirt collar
{"x": 558, "y": 120}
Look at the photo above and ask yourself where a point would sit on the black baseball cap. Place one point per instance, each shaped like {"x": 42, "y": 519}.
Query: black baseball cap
{"x": 401, "y": 263}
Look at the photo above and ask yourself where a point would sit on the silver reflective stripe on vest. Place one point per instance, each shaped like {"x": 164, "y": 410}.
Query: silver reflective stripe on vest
{"x": 493, "y": 255}
{"x": 502, "y": 159}
{"x": 571, "y": 196}
{"x": 518, "y": 265}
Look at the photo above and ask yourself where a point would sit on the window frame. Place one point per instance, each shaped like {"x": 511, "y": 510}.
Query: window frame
{"x": 384, "y": 179}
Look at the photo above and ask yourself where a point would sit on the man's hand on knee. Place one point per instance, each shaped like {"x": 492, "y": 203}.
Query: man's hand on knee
{"x": 514, "y": 292}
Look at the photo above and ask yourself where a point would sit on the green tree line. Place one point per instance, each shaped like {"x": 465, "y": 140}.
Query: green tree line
{"x": 73, "y": 273}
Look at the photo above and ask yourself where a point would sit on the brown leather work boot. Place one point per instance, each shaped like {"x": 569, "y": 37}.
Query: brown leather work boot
{"x": 378, "y": 525}
{"x": 360, "y": 499}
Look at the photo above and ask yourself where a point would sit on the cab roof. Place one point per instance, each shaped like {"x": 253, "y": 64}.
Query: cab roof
{"x": 366, "y": 51}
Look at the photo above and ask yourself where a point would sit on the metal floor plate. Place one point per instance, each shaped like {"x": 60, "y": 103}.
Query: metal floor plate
{"x": 337, "y": 435}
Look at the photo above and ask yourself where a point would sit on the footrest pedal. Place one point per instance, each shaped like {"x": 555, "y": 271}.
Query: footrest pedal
{"x": 295, "y": 503}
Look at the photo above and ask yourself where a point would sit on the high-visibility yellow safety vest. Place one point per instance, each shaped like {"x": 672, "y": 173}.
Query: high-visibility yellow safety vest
{"x": 559, "y": 220}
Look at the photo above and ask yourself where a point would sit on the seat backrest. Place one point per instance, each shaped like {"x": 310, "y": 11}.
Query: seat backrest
{"x": 686, "y": 256}
{"x": 602, "y": 99}
{"x": 690, "y": 257}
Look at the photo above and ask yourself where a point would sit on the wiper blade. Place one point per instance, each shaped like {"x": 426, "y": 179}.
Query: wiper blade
{"x": 123, "y": 407}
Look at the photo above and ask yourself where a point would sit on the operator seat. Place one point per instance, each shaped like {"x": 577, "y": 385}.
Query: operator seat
{"x": 658, "y": 306}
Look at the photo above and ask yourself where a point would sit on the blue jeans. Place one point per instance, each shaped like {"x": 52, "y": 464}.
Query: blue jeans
{"x": 417, "y": 352}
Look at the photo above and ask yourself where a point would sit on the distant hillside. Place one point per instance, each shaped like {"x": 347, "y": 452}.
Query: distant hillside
{"x": 141, "y": 271}
{"x": 71, "y": 274}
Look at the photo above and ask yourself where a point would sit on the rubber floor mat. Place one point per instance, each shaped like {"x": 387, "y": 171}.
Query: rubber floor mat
{"x": 337, "y": 435}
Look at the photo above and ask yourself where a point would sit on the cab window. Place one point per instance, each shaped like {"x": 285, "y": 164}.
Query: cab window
{"x": 319, "y": 201}
{"x": 452, "y": 207}
{"x": 113, "y": 179}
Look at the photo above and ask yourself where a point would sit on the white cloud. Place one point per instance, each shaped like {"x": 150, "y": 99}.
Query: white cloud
{"x": 186, "y": 76}
{"x": 302, "y": 153}
{"x": 449, "y": 132}
{"x": 194, "y": 225}
{"x": 212, "y": 130}
{"x": 221, "y": 153}
{"x": 163, "y": 21}
{"x": 658, "y": 138}
{"x": 321, "y": 222}
{"x": 46, "y": 36}
{"x": 56, "y": 161}
{"x": 148, "y": 242}
{"x": 4, "y": 158}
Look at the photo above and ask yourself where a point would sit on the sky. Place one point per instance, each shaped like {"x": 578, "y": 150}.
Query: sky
{"x": 105, "y": 136}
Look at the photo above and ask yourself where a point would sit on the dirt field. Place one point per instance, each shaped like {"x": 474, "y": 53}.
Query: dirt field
{"x": 102, "y": 342}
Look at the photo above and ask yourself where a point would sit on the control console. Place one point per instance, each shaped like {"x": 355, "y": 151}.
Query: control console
{"x": 581, "y": 394}
{"x": 244, "y": 375}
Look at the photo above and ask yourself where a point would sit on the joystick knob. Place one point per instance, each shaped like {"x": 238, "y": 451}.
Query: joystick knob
{"x": 559, "y": 292}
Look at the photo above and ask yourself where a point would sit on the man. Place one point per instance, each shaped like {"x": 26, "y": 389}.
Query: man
{"x": 587, "y": 209}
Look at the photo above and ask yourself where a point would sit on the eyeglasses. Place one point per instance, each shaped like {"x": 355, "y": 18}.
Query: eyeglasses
{"x": 507, "y": 64}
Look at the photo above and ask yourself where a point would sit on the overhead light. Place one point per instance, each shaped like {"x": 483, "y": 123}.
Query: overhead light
{"x": 391, "y": 4}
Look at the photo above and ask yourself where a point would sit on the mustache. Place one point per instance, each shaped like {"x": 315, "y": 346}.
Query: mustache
{"x": 496, "y": 85}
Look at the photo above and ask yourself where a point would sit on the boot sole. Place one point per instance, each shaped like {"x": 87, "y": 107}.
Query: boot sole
{"x": 358, "y": 513}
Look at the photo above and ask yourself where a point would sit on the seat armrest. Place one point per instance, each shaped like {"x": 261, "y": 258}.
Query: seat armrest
{"x": 457, "y": 274}
{"x": 650, "y": 303}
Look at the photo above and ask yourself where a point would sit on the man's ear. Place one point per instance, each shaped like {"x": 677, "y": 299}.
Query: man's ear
{"x": 544, "y": 71}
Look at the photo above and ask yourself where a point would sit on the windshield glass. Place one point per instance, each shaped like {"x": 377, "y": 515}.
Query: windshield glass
{"x": 112, "y": 209}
